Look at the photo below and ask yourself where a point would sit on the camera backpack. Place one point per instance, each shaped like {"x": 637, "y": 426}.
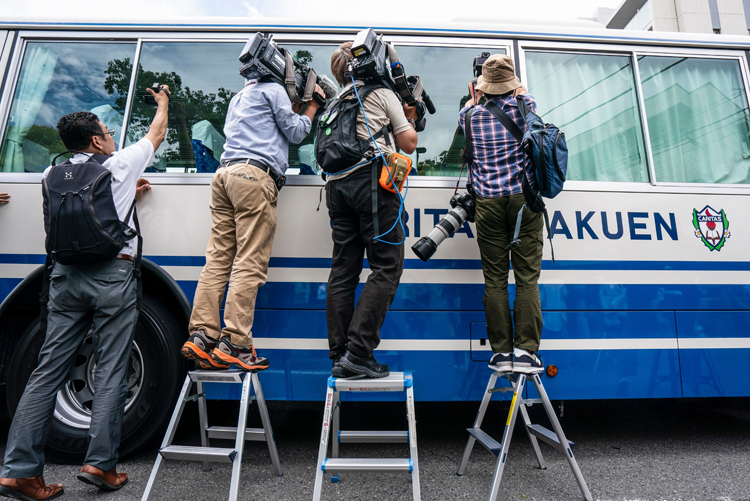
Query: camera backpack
{"x": 337, "y": 146}
{"x": 80, "y": 217}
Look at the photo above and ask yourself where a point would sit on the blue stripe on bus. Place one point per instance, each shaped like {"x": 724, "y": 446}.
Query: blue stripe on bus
{"x": 447, "y": 31}
{"x": 441, "y": 264}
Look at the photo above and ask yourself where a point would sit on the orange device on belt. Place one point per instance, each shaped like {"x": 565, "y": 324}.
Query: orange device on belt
{"x": 399, "y": 167}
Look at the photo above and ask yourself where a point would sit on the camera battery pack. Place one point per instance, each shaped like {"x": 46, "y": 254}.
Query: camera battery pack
{"x": 395, "y": 171}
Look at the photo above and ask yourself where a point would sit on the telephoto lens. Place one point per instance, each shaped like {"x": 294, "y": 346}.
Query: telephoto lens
{"x": 463, "y": 210}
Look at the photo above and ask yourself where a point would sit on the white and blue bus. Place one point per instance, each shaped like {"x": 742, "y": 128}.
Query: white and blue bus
{"x": 649, "y": 297}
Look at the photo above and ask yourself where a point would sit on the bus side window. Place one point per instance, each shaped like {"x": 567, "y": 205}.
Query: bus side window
{"x": 697, "y": 114}
{"x": 592, "y": 98}
{"x": 446, "y": 73}
{"x": 58, "y": 78}
{"x": 202, "y": 77}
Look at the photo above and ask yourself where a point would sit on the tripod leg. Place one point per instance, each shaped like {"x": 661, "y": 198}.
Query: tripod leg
{"x": 477, "y": 424}
{"x": 323, "y": 449}
{"x": 507, "y": 435}
{"x": 561, "y": 437}
{"x": 532, "y": 438}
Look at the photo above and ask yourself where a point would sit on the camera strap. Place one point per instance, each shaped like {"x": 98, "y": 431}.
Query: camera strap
{"x": 291, "y": 82}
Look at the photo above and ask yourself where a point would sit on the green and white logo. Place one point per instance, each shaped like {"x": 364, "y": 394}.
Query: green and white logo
{"x": 712, "y": 227}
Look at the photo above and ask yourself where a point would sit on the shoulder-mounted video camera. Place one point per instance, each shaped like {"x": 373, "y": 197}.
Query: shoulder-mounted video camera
{"x": 377, "y": 61}
{"x": 263, "y": 60}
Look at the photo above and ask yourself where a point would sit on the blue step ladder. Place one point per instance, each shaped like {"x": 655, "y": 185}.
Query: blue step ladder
{"x": 396, "y": 381}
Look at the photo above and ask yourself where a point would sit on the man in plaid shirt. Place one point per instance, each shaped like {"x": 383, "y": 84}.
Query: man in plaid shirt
{"x": 496, "y": 175}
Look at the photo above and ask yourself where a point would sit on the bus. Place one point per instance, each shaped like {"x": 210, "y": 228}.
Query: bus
{"x": 648, "y": 296}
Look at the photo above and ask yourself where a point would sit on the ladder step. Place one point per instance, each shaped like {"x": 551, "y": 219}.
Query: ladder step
{"x": 230, "y": 433}
{"x": 395, "y": 381}
{"x": 192, "y": 453}
{"x": 333, "y": 465}
{"x": 487, "y": 441}
{"x": 547, "y": 436}
{"x": 373, "y": 437}
{"x": 228, "y": 376}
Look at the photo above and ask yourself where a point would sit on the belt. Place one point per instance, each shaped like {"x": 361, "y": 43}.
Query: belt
{"x": 279, "y": 180}
{"x": 125, "y": 257}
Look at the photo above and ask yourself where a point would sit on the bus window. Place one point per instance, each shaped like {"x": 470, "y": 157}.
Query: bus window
{"x": 592, "y": 98}
{"x": 446, "y": 73}
{"x": 697, "y": 119}
{"x": 58, "y": 78}
{"x": 203, "y": 78}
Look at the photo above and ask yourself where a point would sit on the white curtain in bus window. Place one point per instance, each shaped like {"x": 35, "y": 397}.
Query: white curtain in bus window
{"x": 592, "y": 99}
{"x": 58, "y": 78}
{"x": 697, "y": 119}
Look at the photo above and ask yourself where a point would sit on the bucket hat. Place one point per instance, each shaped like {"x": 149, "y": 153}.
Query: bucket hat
{"x": 498, "y": 76}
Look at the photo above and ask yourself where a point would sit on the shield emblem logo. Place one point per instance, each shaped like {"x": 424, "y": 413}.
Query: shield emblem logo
{"x": 712, "y": 227}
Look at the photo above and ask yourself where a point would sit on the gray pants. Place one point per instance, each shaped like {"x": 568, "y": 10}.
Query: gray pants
{"x": 100, "y": 297}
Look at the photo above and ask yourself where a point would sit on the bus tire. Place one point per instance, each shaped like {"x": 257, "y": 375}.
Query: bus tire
{"x": 155, "y": 377}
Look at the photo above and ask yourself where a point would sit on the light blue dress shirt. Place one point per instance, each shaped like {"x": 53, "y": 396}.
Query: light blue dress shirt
{"x": 260, "y": 124}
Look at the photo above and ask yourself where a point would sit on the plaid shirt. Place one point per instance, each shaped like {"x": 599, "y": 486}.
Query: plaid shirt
{"x": 497, "y": 170}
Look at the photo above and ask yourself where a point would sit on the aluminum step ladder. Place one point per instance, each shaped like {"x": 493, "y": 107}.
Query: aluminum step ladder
{"x": 205, "y": 452}
{"x": 535, "y": 432}
{"x": 396, "y": 381}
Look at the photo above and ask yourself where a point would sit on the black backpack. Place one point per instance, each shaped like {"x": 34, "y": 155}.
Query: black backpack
{"x": 337, "y": 146}
{"x": 80, "y": 218}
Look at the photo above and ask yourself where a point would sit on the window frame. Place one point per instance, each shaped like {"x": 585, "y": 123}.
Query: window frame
{"x": 634, "y": 51}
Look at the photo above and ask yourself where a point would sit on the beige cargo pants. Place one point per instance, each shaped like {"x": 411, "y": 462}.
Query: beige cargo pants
{"x": 243, "y": 224}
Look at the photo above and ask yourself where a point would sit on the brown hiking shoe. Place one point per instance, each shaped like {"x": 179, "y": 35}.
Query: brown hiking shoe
{"x": 105, "y": 480}
{"x": 198, "y": 347}
{"x": 239, "y": 356}
{"x": 29, "y": 489}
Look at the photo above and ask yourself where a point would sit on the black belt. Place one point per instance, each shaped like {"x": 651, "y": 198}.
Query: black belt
{"x": 280, "y": 180}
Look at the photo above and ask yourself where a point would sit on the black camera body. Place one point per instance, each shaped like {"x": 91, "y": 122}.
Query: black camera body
{"x": 466, "y": 202}
{"x": 371, "y": 62}
{"x": 476, "y": 65}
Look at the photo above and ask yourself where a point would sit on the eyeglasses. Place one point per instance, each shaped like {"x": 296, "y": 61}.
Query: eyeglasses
{"x": 111, "y": 132}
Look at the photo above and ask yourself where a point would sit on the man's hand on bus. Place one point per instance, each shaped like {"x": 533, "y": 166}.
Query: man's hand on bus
{"x": 158, "y": 129}
{"x": 4, "y": 198}
{"x": 141, "y": 187}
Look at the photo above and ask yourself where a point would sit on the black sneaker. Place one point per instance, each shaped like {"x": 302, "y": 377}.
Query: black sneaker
{"x": 366, "y": 366}
{"x": 342, "y": 372}
{"x": 527, "y": 364}
{"x": 501, "y": 363}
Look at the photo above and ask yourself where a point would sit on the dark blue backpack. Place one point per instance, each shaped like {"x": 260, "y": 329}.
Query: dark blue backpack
{"x": 544, "y": 144}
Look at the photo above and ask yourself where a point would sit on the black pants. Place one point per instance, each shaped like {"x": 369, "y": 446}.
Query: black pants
{"x": 349, "y": 203}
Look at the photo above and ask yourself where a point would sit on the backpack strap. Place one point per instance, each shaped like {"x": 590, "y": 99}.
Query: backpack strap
{"x": 138, "y": 256}
{"x": 49, "y": 263}
{"x": 523, "y": 107}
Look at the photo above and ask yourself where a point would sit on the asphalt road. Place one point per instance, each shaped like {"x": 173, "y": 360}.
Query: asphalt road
{"x": 660, "y": 450}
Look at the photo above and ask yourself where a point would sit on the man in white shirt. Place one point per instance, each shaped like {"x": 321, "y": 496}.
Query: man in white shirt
{"x": 101, "y": 297}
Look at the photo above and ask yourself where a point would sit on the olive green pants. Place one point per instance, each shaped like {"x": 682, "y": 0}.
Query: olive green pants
{"x": 496, "y": 222}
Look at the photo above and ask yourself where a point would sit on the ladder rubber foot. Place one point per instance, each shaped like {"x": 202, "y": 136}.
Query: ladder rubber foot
{"x": 335, "y": 479}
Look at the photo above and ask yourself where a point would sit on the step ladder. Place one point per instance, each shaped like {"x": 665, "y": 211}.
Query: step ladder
{"x": 535, "y": 432}
{"x": 396, "y": 381}
{"x": 205, "y": 452}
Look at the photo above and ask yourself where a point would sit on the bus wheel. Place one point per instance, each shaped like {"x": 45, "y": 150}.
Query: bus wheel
{"x": 155, "y": 374}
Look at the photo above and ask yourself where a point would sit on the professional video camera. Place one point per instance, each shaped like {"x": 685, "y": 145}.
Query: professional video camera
{"x": 462, "y": 210}
{"x": 377, "y": 61}
{"x": 263, "y": 60}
